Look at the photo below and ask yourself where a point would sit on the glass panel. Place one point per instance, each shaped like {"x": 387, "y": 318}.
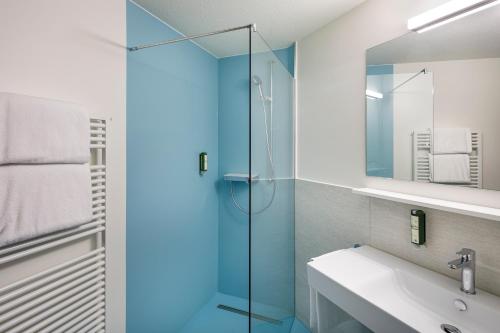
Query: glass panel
{"x": 187, "y": 243}
{"x": 233, "y": 189}
{"x": 399, "y": 111}
{"x": 272, "y": 193}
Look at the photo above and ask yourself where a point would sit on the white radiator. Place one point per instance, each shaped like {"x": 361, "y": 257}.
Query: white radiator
{"x": 69, "y": 297}
{"x": 422, "y": 143}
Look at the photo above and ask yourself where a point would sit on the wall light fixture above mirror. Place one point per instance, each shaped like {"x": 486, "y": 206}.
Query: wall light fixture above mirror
{"x": 448, "y": 12}
{"x": 437, "y": 118}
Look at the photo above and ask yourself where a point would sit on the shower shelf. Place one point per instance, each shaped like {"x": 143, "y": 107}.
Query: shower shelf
{"x": 239, "y": 177}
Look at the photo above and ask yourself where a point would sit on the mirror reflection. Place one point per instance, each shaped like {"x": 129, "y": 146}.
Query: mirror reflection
{"x": 433, "y": 105}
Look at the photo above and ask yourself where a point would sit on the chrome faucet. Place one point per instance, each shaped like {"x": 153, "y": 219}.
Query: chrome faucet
{"x": 467, "y": 262}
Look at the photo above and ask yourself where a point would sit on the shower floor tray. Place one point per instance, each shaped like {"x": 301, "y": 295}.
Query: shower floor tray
{"x": 210, "y": 318}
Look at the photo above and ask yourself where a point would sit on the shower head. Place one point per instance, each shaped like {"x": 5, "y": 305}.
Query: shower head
{"x": 256, "y": 80}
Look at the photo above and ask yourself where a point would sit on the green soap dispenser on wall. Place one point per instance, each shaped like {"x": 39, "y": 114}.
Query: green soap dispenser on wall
{"x": 203, "y": 163}
{"x": 417, "y": 227}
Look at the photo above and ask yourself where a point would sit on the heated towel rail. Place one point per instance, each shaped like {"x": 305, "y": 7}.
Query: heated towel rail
{"x": 68, "y": 297}
{"x": 422, "y": 143}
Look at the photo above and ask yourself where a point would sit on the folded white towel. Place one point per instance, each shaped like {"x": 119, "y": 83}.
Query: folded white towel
{"x": 37, "y": 130}
{"x": 450, "y": 168}
{"x": 452, "y": 141}
{"x": 40, "y": 199}
{"x": 313, "y": 310}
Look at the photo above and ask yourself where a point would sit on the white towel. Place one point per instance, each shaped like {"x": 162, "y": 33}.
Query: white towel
{"x": 450, "y": 168}
{"x": 37, "y": 130}
{"x": 313, "y": 310}
{"x": 452, "y": 141}
{"x": 40, "y": 199}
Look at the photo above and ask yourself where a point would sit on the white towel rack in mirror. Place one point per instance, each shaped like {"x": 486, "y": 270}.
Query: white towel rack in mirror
{"x": 422, "y": 144}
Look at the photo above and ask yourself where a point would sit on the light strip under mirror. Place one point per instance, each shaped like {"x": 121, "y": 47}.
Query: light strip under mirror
{"x": 447, "y": 13}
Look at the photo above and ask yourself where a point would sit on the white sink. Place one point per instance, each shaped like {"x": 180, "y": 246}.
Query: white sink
{"x": 388, "y": 294}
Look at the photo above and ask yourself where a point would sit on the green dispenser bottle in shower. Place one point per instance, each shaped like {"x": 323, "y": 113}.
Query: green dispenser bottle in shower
{"x": 203, "y": 163}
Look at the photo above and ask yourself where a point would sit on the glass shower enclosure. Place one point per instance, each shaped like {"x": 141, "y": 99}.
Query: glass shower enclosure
{"x": 210, "y": 189}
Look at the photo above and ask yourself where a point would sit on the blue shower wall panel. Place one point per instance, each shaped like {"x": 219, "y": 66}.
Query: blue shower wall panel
{"x": 272, "y": 232}
{"x": 380, "y": 127}
{"x": 233, "y": 158}
{"x": 287, "y": 57}
{"x": 273, "y": 229}
{"x": 172, "y": 211}
{"x": 379, "y": 69}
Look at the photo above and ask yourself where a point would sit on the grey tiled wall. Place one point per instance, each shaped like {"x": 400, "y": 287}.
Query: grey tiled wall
{"x": 329, "y": 218}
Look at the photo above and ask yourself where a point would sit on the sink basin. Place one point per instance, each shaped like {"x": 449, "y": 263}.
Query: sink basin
{"x": 388, "y": 294}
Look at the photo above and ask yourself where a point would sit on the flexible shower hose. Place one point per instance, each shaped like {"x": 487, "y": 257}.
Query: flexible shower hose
{"x": 271, "y": 164}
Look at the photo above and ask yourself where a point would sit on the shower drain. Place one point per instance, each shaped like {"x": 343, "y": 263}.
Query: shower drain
{"x": 450, "y": 328}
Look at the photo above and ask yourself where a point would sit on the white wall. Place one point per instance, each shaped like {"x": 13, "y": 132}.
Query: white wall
{"x": 331, "y": 101}
{"x": 74, "y": 50}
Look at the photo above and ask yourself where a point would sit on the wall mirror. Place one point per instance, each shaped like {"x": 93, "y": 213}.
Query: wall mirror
{"x": 433, "y": 104}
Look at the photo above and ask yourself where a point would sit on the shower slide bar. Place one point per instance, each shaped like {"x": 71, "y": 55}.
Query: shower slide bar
{"x": 171, "y": 41}
{"x": 70, "y": 296}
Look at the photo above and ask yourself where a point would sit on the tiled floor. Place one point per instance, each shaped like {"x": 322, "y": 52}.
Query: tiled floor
{"x": 211, "y": 319}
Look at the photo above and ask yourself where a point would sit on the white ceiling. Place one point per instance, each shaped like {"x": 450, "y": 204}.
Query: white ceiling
{"x": 280, "y": 22}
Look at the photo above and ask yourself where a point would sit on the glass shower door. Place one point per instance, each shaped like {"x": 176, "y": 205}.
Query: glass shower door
{"x": 208, "y": 250}
{"x": 272, "y": 192}
{"x": 187, "y": 244}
